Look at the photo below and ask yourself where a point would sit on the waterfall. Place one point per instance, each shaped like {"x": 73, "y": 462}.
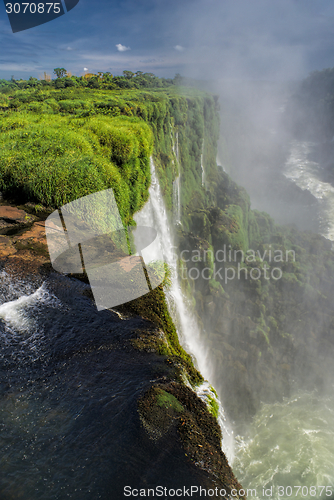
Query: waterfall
{"x": 220, "y": 163}
{"x": 176, "y": 182}
{"x": 177, "y": 200}
{"x": 175, "y": 147}
{"x": 202, "y": 165}
{"x": 154, "y": 214}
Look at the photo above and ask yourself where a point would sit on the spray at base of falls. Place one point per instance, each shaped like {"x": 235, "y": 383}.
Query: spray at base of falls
{"x": 154, "y": 214}
{"x": 290, "y": 445}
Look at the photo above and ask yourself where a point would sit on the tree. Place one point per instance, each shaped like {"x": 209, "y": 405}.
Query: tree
{"x": 128, "y": 74}
{"x": 107, "y": 77}
{"x": 94, "y": 82}
{"x": 60, "y": 72}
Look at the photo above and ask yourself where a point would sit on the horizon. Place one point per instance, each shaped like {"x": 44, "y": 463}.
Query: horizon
{"x": 251, "y": 41}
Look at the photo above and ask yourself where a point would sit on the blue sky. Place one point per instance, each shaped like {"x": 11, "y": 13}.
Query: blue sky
{"x": 207, "y": 39}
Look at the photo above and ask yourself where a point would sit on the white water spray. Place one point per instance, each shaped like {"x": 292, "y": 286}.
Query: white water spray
{"x": 304, "y": 172}
{"x": 154, "y": 214}
{"x": 202, "y": 164}
{"x": 13, "y": 313}
{"x": 177, "y": 181}
{"x": 177, "y": 200}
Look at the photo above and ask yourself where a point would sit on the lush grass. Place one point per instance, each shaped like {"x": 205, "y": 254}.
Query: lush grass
{"x": 53, "y": 159}
{"x": 60, "y": 144}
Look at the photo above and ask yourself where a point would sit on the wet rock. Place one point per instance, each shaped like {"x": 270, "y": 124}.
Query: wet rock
{"x": 6, "y": 247}
{"x": 12, "y": 219}
{"x": 36, "y": 234}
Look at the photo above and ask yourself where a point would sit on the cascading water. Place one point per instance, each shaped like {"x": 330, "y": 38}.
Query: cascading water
{"x": 202, "y": 164}
{"x": 290, "y": 449}
{"x": 154, "y": 214}
{"x": 177, "y": 181}
{"x": 12, "y": 312}
{"x": 177, "y": 200}
{"x": 302, "y": 170}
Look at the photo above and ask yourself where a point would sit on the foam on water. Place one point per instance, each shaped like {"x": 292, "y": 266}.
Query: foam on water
{"x": 13, "y": 312}
{"x": 289, "y": 444}
{"x": 304, "y": 172}
{"x": 17, "y": 300}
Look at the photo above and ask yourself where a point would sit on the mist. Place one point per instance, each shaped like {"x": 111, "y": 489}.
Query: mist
{"x": 275, "y": 143}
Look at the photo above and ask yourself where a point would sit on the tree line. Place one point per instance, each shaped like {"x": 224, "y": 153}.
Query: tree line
{"x": 101, "y": 80}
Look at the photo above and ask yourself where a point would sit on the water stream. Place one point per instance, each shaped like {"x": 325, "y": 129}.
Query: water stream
{"x": 69, "y": 425}
{"x": 302, "y": 169}
{"x": 154, "y": 214}
{"x": 289, "y": 449}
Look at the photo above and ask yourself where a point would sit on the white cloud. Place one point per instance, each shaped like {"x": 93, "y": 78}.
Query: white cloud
{"x": 122, "y": 48}
{"x": 85, "y": 69}
{"x": 179, "y": 48}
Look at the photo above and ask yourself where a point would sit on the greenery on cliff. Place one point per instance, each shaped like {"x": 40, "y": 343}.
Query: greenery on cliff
{"x": 266, "y": 329}
{"x": 60, "y": 144}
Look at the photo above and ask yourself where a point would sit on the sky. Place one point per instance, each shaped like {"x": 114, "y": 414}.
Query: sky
{"x": 203, "y": 39}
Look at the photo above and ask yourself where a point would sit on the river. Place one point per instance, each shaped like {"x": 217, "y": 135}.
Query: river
{"x": 288, "y": 451}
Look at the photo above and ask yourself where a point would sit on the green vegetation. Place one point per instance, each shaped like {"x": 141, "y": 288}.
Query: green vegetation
{"x": 64, "y": 79}
{"x": 63, "y": 143}
{"x": 213, "y": 406}
{"x": 153, "y": 307}
{"x": 52, "y": 160}
{"x": 63, "y": 140}
{"x": 263, "y": 333}
{"x": 167, "y": 400}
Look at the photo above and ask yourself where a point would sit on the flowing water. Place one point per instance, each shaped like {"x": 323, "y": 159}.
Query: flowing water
{"x": 302, "y": 169}
{"x": 289, "y": 449}
{"x": 177, "y": 200}
{"x": 154, "y": 214}
{"x": 69, "y": 385}
{"x": 202, "y": 164}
